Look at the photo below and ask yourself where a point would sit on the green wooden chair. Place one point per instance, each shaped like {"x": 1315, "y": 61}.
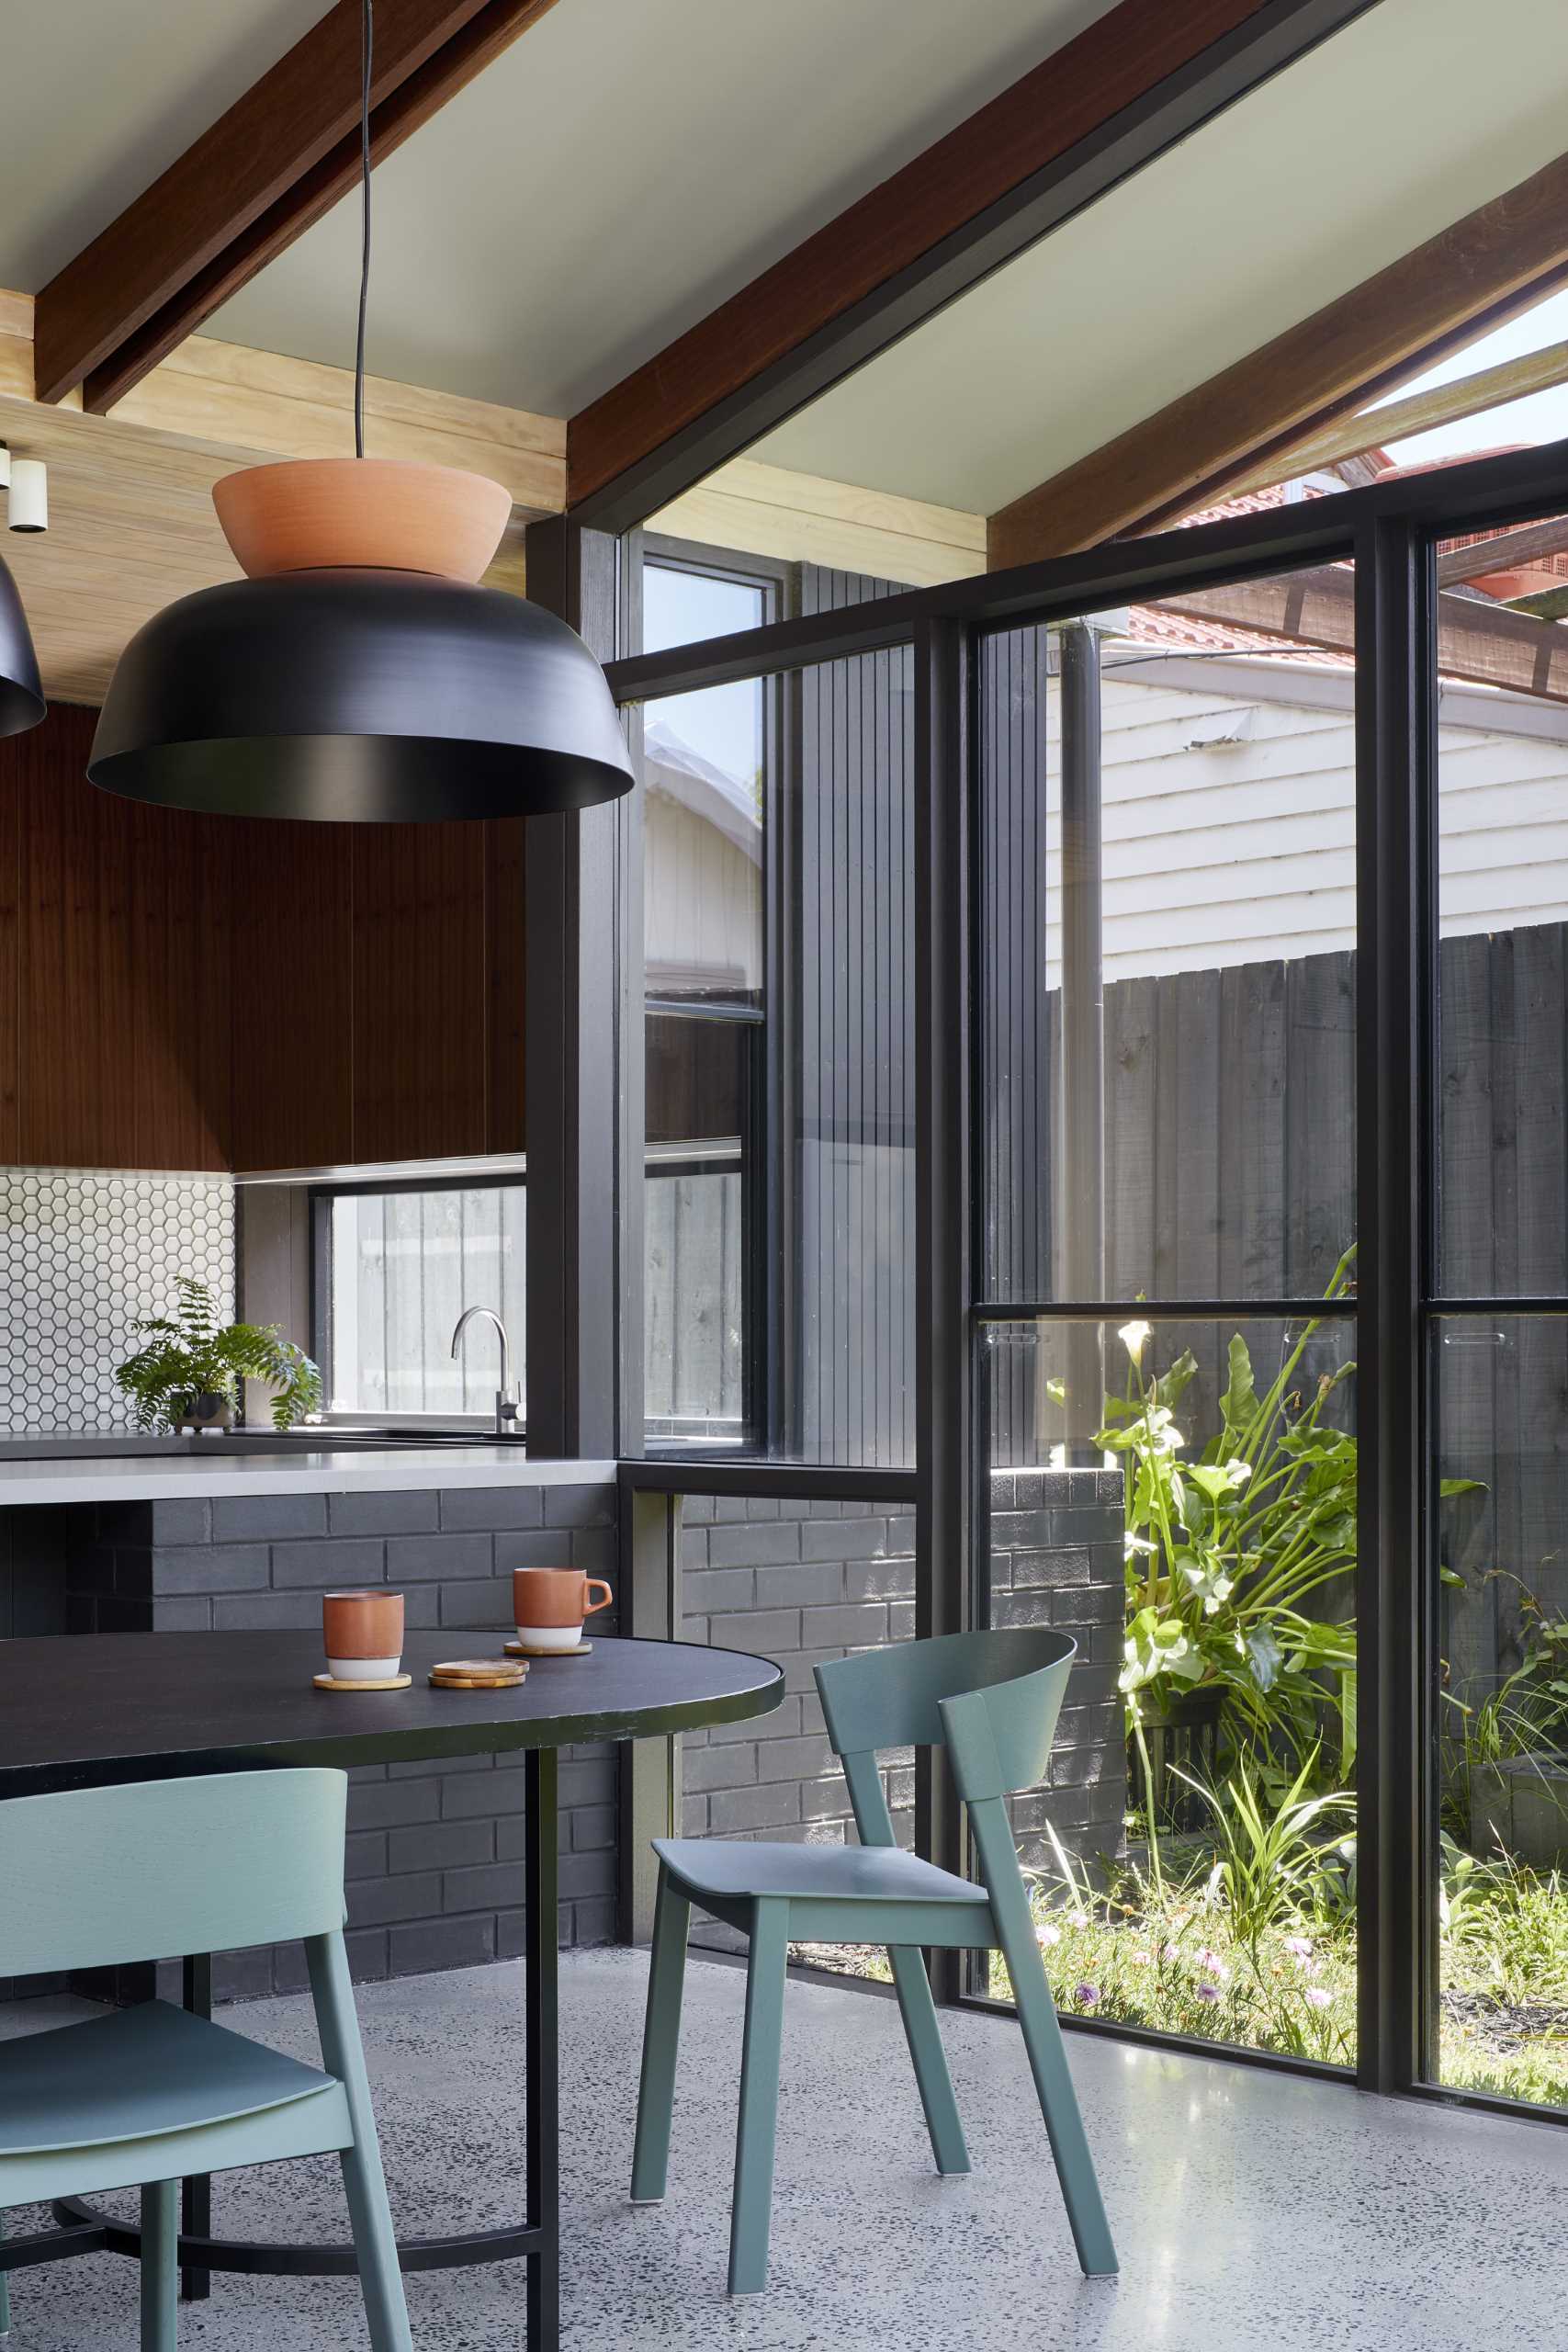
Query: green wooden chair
{"x": 145, "y": 2097}
{"x": 992, "y": 1699}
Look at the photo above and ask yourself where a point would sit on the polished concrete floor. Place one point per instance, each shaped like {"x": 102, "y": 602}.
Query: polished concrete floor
{"x": 1255, "y": 2212}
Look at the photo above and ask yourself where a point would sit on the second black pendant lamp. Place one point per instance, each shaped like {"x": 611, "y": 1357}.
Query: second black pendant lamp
{"x": 360, "y": 671}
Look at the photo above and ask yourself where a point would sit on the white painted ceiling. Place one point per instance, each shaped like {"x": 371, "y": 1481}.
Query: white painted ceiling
{"x": 99, "y": 96}
{"x": 621, "y": 169}
{"x": 1403, "y": 122}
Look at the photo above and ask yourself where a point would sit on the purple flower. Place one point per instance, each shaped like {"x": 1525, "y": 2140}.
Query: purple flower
{"x": 1317, "y": 1998}
{"x": 1300, "y": 1945}
{"x": 1208, "y": 1992}
{"x": 1089, "y": 1995}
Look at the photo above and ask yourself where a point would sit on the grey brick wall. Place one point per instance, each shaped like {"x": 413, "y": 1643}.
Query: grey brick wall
{"x": 435, "y": 1852}
{"x": 805, "y": 1582}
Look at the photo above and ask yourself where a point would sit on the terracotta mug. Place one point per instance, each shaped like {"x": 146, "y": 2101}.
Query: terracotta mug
{"x": 363, "y": 1632}
{"x": 548, "y": 1606}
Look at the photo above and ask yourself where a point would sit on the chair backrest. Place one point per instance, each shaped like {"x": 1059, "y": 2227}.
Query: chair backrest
{"x": 898, "y": 1697}
{"x": 155, "y": 1867}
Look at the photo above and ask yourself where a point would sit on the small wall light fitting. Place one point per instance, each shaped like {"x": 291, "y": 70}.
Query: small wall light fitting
{"x": 27, "y": 481}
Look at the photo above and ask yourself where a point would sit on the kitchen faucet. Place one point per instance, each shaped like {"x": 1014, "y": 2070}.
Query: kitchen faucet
{"x": 506, "y": 1408}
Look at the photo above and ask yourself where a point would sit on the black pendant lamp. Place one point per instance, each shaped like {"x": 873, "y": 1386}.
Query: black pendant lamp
{"x": 360, "y": 672}
{"x": 21, "y": 691}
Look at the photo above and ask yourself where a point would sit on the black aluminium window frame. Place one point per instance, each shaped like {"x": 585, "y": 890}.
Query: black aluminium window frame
{"x": 1389, "y": 530}
{"x": 769, "y": 1351}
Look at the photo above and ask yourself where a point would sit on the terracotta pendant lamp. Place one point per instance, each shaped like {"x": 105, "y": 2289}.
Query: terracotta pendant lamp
{"x": 21, "y": 691}
{"x": 359, "y": 673}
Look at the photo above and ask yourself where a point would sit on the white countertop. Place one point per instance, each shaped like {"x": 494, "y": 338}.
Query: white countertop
{"x": 110, "y": 1477}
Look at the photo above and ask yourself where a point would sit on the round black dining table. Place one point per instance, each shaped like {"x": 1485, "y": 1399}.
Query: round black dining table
{"x": 85, "y": 1711}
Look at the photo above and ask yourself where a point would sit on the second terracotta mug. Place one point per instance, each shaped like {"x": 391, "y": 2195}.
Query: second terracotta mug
{"x": 548, "y": 1606}
{"x": 362, "y": 1634}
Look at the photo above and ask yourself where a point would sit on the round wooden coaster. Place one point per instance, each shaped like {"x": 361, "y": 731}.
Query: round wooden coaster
{"x": 521, "y": 1650}
{"x": 391, "y": 1682}
{"x": 476, "y": 1674}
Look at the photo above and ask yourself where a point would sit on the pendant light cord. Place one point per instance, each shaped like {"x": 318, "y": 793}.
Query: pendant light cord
{"x": 367, "y": 56}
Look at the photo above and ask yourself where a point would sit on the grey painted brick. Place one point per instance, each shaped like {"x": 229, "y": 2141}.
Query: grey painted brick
{"x": 440, "y": 1845}
{"x": 849, "y": 1539}
{"x": 344, "y": 1560}
{"x": 593, "y": 1549}
{"x": 729, "y": 1508}
{"x": 187, "y": 1519}
{"x": 491, "y": 1506}
{"x": 586, "y": 1874}
{"x": 267, "y": 1612}
{"x": 753, "y": 1544}
{"x": 212, "y": 1568}
{"x": 703, "y": 1589}
{"x": 365, "y": 1854}
{"x": 731, "y": 1766}
{"x": 580, "y": 1506}
{"x": 588, "y": 1776}
{"x": 240, "y": 1518}
{"x": 794, "y": 1760}
{"x": 484, "y": 1886}
{"x": 543, "y": 1548}
{"x": 807, "y": 1584}
{"x": 759, "y": 1808}
{"x": 1050, "y": 1569}
{"x": 900, "y": 1621}
{"x": 592, "y": 1828}
{"x": 825, "y": 1799}
{"x": 593, "y": 1921}
{"x": 401, "y": 1513}
{"x": 382, "y": 1805}
{"x": 762, "y": 1630}
{"x": 488, "y": 1604}
{"x": 470, "y": 1795}
{"x": 889, "y": 1580}
{"x": 421, "y": 1558}
{"x": 185, "y": 1613}
{"x": 376, "y": 1903}
{"x": 855, "y": 1624}
{"x": 426, "y": 1944}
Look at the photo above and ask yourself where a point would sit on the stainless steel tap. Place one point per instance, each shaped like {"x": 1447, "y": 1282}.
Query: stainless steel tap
{"x": 507, "y": 1410}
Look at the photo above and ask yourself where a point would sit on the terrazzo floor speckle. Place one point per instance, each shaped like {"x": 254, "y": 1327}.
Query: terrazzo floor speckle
{"x": 1254, "y": 2212}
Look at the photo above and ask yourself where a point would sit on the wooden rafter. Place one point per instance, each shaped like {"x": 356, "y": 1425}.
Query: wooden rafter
{"x": 1474, "y": 275}
{"x": 1511, "y": 379}
{"x": 1483, "y": 643}
{"x": 1508, "y": 551}
{"x": 1141, "y": 76}
{"x": 282, "y": 155}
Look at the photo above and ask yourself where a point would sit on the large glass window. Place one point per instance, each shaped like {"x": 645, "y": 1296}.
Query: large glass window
{"x": 1166, "y": 970}
{"x": 1499, "y": 1374}
{"x": 779, "y": 993}
{"x": 398, "y": 1270}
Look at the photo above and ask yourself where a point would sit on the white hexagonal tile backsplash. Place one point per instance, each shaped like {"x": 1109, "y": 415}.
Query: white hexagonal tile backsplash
{"x": 83, "y": 1255}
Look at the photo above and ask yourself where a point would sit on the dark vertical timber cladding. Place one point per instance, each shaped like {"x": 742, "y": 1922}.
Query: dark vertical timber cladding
{"x": 855, "y": 1070}
{"x": 945, "y": 1427}
{"x": 1469, "y": 1218}
{"x": 1017, "y": 1060}
{"x": 574, "y": 916}
{"x": 1396, "y": 691}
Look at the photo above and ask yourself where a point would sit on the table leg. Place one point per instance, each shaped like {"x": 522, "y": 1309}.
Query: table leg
{"x": 196, "y": 2196}
{"x": 543, "y": 2048}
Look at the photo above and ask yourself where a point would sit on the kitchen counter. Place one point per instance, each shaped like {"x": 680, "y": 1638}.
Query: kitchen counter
{"x": 165, "y": 1472}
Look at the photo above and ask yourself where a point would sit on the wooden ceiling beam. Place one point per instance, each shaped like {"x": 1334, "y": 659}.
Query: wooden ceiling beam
{"x": 282, "y": 155}
{"x": 1471, "y": 277}
{"x": 1480, "y": 642}
{"x": 1142, "y": 76}
{"x": 1351, "y": 436}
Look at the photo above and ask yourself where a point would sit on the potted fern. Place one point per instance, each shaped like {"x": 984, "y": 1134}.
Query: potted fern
{"x": 188, "y": 1374}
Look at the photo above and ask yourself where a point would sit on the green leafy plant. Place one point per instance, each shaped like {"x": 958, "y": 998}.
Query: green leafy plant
{"x": 1224, "y": 1550}
{"x": 190, "y": 1357}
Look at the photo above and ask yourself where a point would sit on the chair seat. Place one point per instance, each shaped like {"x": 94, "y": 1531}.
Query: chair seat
{"x": 735, "y": 1872}
{"x": 136, "y": 2073}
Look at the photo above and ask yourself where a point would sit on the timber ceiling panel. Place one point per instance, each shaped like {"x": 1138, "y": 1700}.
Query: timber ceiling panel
{"x": 1409, "y": 118}
{"x": 611, "y": 178}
